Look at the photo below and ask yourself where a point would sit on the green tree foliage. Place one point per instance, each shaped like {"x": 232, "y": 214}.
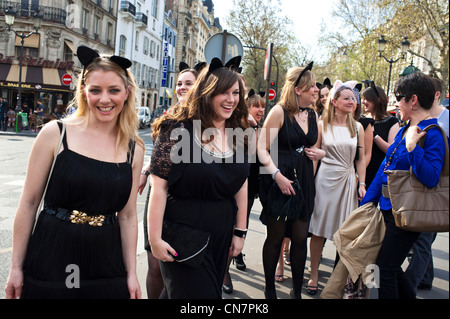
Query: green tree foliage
{"x": 260, "y": 22}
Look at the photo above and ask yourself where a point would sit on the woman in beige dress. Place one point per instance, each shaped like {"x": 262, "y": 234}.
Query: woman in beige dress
{"x": 337, "y": 188}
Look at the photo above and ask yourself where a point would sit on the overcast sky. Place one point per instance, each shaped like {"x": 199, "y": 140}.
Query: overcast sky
{"x": 307, "y": 17}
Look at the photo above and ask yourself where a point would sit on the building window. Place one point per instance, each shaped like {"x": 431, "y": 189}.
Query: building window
{"x": 85, "y": 21}
{"x": 136, "y": 42}
{"x": 28, "y": 51}
{"x": 152, "y": 49}
{"x": 155, "y": 8}
{"x": 109, "y": 34}
{"x": 68, "y": 54}
{"x": 146, "y": 45}
{"x": 122, "y": 45}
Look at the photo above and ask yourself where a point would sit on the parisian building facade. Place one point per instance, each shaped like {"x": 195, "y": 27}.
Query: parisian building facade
{"x": 154, "y": 34}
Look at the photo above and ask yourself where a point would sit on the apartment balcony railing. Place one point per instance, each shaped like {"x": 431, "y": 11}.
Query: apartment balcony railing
{"x": 141, "y": 20}
{"x": 49, "y": 14}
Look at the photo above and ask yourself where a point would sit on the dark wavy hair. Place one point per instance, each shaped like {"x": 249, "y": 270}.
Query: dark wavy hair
{"x": 198, "y": 106}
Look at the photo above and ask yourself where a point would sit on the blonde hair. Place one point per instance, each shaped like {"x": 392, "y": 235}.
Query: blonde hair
{"x": 289, "y": 99}
{"x": 127, "y": 121}
{"x": 329, "y": 112}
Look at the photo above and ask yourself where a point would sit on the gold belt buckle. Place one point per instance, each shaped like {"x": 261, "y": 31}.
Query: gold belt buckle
{"x": 81, "y": 218}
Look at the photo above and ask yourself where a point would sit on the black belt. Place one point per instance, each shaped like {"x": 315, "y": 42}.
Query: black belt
{"x": 77, "y": 217}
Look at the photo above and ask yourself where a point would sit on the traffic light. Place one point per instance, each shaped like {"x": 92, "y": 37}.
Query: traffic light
{"x": 272, "y": 85}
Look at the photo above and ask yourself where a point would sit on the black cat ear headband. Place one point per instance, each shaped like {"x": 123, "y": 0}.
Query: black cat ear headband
{"x": 87, "y": 56}
{"x": 326, "y": 82}
{"x": 307, "y": 68}
{"x": 198, "y": 67}
{"x": 371, "y": 84}
{"x": 252, "y": 92}
{"x": 233, "y": 64}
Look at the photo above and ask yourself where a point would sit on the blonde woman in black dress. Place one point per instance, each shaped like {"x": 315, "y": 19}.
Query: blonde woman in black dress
{"x": 96, "y": 173}
{"x": 297, "y": 132}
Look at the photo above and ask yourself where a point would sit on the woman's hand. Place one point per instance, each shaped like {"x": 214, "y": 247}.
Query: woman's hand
{"x": 133, "y": 287}
{"x": 413, "y": 136}
{"x": 314, "y": 153}
{"x": 161, "y": 250}
{"x": 284, "y": 184}
{"x": 252, "y": 120}
{"x": 142, "y": 183}
{"x": 237, "y": 244}
{"x": 13, "y": 287}
{"x": 361, "y": 191}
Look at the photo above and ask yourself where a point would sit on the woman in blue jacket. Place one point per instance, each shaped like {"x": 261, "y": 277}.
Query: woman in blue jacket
{"x": 415, "y": 95}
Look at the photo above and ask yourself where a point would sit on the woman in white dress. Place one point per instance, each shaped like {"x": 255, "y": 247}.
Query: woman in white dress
{"x": 337, "y": 188}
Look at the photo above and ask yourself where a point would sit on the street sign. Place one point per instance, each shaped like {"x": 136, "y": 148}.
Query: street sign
{"x": 272, "y": 94}
{"x": 165, "y": 65}
{"x": 215, "y": 47}
{"x": 66, "y": 79}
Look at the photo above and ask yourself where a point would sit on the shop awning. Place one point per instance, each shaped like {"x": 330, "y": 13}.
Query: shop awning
{"x": 71, "y": 46}
{"x": 32, "y": 77}
{"x": 31, "y": 42}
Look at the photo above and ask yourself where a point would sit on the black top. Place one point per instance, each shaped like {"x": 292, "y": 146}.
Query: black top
{"x": 89, "y": 185}
{"x": 381, "y": 128}
{"x": 209, "y": 177}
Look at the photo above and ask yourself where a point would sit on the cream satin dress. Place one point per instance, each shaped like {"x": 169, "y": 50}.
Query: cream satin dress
{"x": 336, "y": 184}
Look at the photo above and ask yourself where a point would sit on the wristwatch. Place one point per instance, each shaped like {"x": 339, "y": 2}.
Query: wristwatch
{"x": 242, "y": 233}
{"x": 145, "y": 172}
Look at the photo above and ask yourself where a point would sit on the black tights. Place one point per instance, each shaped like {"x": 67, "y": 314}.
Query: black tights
{"x": 276, "y": 231}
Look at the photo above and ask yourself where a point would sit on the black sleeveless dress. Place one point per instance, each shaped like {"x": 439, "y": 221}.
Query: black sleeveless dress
{"x": 288, "y": 160}
{"x": 79, "y": 260}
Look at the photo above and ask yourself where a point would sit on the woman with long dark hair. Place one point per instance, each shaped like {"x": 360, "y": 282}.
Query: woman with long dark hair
{"x": 199, "y": 181}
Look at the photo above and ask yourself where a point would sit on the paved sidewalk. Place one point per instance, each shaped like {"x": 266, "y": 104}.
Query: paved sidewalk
{"x": 249, "y": 284}
{"x": 12, "y": 132}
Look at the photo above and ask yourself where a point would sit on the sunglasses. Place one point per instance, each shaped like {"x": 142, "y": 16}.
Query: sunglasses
{"x": 399, "y": 97}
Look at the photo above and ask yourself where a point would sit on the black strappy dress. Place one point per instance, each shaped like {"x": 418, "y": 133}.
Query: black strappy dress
{"x": 80, "y": 260}
{"x": 288, "y": 160}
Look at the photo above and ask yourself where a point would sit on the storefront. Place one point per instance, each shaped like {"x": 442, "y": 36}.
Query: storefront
{"x": 41, "y": 79}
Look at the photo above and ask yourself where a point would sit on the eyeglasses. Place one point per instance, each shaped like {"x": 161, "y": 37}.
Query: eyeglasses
{"x": 399, "y": 97}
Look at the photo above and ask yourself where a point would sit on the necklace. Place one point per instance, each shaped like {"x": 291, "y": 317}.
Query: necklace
{"x": 302, "y": 114}
{"x": 425, "y": 118}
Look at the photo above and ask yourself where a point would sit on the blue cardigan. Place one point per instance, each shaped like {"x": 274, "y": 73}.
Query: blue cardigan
{"x": 426, "y": 162}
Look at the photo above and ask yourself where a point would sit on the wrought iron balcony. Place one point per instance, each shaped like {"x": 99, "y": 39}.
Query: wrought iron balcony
{"x": 26, "y": 11}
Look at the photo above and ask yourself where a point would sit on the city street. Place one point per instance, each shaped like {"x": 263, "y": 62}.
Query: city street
{"x": 248, "y": 284}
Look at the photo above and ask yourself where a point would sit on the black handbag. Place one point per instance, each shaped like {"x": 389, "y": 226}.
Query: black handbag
{"x": 189, "y": 243}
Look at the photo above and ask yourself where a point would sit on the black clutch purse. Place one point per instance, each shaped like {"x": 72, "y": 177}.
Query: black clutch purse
{"x": 285, "y": 207}
{"x": 188, "y": 242}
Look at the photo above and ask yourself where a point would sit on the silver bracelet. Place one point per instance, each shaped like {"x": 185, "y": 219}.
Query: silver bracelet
{"x": 275, "y": 173}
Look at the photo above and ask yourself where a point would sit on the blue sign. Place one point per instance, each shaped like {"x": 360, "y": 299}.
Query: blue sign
{"x": 165, "y": 65}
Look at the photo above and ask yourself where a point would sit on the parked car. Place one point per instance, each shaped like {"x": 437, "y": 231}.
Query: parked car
{"x": 144, "y": 116}
{"x": 160, "y": 110}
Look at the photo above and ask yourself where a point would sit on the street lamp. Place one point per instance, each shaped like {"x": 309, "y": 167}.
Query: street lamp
{"x": 404, "y": 49}
{"x": 10, "y": 15}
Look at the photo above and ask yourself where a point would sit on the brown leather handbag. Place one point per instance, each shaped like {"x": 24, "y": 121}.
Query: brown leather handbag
{"x": 416, "y": 207}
